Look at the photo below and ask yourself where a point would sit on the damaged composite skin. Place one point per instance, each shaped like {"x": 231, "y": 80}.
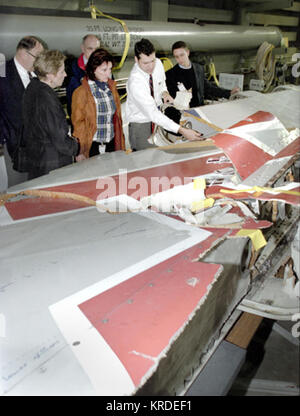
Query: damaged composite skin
{"x": 128, "y": 270}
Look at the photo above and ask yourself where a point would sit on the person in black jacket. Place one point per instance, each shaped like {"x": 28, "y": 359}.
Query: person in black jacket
{"x": 18, "y": 72}
{"x": 89, "y": 44}
{"x": 45, "y": 129}
{"x": 188, "y": 75}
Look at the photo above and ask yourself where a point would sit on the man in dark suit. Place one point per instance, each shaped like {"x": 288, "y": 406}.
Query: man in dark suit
{"x": 18, "y": 72}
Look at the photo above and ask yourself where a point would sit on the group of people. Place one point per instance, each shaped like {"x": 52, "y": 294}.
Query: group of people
{"x": 31, "y": 112}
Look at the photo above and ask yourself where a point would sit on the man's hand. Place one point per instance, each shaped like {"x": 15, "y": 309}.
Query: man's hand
{"x": 80, "y": 157}
{"x": 190, "y": 134}
{"x": 234, "y": 90}
{"x": 166, "y": 97}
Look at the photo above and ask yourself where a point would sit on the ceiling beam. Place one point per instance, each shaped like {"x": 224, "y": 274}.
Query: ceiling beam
{"x": 200, "y": 13}
{"x": 269, "y": 5}
{"x": 272, "y": 19}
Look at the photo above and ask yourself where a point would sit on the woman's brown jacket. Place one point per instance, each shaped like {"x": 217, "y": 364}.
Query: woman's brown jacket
{"x": 84, "y": 116}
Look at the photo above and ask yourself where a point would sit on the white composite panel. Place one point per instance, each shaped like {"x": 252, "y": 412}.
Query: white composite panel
{"x": 285, "y": 105}
{"x": 45, "y": 260}
{"x": 110, "y": 164}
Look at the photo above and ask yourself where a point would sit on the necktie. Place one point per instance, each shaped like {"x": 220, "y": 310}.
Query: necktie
{"x": 30, "y": 75}
{"x": 152, "y": 95}
{"x": 151, "y": 85}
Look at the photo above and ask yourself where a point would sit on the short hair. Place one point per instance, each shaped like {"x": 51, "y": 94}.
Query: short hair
{"x": 143, "y": 46}
{"x": 48, "y": 62}
{"x": 29, "y": 42}
{"x": 96, "y": 59}
{"x": 179, "y": 44}
{"x": 90, "y": 34}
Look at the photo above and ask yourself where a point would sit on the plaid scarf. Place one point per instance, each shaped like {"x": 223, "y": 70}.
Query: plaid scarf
{"x": 106, "y": 108}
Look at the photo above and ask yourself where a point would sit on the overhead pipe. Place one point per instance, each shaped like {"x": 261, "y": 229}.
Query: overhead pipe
{"x": 66, "y": 33}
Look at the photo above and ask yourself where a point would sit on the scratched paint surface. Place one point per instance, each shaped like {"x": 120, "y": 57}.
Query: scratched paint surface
{"x": 246, "y": 156}
{"x": 136, "y": 184}
{"x": 139, "y": 317}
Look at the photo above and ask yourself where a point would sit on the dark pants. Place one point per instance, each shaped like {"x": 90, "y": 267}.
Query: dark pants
{"x": 94, "y": 150}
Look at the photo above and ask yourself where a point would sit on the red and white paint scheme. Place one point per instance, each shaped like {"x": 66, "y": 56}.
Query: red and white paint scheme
{"x": 123, "y": 303}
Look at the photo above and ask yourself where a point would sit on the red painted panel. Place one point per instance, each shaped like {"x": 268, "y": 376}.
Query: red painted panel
{"x": 136, "y": 184}
{"x": 34, "y": 207}
{"x": 138, "y": 318}
{"x": 245, "y": 156}
{"x": 290, "y": 150}
{"x": 258, "y": 117}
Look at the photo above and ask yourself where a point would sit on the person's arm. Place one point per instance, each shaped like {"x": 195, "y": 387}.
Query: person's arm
{"x": 171, "y": 82}
{"x": 56, "y": 127}
{"x": 234, "y": 90}
{"x": 190, "y": 134}
{"x": 3, "y": 129}
{"x": 71, "y": 87}
{"x": 210, "y": 90}
{"x": 166, "y": 97}
{"x": 78, "y": 118}
{"x": 118, "y": 123}
{"x": 213, "y": 91}
{"x": 139, "y": 93}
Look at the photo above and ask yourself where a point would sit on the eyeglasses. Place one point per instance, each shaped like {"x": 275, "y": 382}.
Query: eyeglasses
{"x": 29, "y": 53}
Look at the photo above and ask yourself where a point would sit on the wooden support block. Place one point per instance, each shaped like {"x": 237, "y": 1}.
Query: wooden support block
{"x": 244, "y": 329}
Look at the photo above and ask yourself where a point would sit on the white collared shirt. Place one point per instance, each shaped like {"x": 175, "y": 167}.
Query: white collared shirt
{"x": 140, "y": 105}
{"x": 185, "y": 67}
{"x": 23, "y": 73}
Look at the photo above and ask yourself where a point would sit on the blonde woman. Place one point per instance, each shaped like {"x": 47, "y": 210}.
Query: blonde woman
{"x": 45, "y": 129}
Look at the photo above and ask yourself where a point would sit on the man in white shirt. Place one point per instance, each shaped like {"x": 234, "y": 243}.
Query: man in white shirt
{"x": 146, "y": 91}
{"x": 18, "y": 72}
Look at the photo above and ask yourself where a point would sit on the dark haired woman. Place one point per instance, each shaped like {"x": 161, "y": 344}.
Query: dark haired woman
{"x": 96, "y": 108}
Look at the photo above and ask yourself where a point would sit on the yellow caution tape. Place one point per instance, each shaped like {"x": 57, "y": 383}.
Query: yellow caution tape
{"x": 123, "y": 96}
{"x": 199, "y": 183}
{"x": 260, "y": 189}
{"x": 93, "y": 12}
{"x": 96, "y": 12}
{"x": 167, "y": 63}
{"x": 256, "y": 236}
{"x": 202, "y": 204}
{"x": 212, "y": 73}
